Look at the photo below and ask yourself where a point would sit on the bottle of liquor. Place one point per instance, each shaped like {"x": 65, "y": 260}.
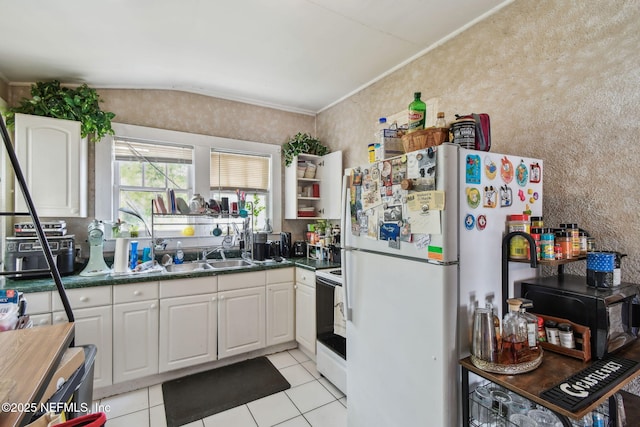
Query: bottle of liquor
{"x": 515, "y": 344}
{"x": 417, "y": 113}
{"x": 532, "y": 323}
{"x": 496, "y": 325}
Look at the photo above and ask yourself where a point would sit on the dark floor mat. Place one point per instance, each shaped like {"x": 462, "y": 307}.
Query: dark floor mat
{"x": 197, "y": 396}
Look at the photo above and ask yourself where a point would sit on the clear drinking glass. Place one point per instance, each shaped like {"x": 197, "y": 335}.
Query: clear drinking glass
{"x": 543, "y": 418}
{"x": 481, "y": 404}
{"x": 500, "y": 401}
{"x": 522, "y": 420}
{"x": 519, "y": 404}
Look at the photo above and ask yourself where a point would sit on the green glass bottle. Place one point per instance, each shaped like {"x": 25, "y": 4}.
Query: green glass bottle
{"x": 417, "y": 113}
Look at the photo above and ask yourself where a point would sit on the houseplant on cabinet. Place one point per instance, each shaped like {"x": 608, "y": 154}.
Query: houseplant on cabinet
{"x": 82, "y": 104}
{"x": 302, "y": 143}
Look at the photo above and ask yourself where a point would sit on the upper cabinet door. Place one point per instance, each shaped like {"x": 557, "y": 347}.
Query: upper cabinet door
{"x": 53, "y": 158}
{"x": 330, "y": 174}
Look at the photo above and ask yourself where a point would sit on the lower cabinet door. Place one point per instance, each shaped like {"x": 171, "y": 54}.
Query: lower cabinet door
{"x": 94, "y": 326}
{"x": 306, "y": 317}
{"x": 135, "y": 340}
{"x": 280, "y": 313}
{"x": 188, "y": 331}
{"x": 241, "y": 321}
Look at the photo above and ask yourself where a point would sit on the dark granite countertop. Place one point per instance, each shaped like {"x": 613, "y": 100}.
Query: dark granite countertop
{"x": 77, "y": 281}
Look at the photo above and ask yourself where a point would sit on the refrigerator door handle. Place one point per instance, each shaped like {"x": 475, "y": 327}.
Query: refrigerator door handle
{"x": 343, "y": 258}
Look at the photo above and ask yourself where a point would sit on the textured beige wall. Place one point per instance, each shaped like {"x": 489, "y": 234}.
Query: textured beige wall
{"x": 561, "y": 81}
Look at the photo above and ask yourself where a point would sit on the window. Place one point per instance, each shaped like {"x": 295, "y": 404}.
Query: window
{"x": 138, "y": 162}
{"x": 234, "y": 175}
{"x": 144, "y": 169}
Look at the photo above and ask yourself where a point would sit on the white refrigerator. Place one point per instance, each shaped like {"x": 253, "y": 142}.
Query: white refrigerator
{"x": 422, "y": 248}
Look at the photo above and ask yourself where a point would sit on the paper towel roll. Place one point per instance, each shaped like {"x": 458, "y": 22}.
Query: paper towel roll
{"x": 121, "y": 256}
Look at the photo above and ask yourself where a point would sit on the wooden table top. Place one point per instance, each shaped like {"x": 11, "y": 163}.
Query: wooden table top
{"x": 28, "y": 359}
{"x": 555, "y": 368}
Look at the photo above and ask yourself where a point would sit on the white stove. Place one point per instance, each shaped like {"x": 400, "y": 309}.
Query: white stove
{"x": 331, "y": 345}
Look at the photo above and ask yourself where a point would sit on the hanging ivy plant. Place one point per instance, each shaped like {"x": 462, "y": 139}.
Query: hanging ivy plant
{"x": 50, "y": 99}
{"x": 302, "y": 143}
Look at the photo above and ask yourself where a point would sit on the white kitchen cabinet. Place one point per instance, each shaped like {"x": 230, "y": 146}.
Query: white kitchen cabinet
{"x": 53, "y": 158}
{"x": 280, "y": 313}
{"x": 305, "y": 293}
{"x": 280, "y": 306}
{"x": 241, "y": 321}
{"x": 94, "y": 326}
{"x": 188, "y": 331}
{"x": 328, "y": 177}
{"x": 135, "y": 331}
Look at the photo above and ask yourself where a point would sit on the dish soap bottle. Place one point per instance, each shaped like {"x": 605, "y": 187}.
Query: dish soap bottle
{"x": 514, "y": 335}
{"x": 179, "y": 256}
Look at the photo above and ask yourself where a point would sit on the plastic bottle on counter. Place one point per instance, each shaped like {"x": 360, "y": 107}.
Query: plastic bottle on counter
{"x": 133, "y": 254}
{"x": 417, "y": 113}
{"x": 179, "y": 256}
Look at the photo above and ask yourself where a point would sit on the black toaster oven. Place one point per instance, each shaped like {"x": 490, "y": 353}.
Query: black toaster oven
{"x": 611, "y": 314}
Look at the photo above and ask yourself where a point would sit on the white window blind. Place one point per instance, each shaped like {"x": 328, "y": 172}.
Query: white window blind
{"x": 230, "y": 171}
{"x": 133, "y": 150}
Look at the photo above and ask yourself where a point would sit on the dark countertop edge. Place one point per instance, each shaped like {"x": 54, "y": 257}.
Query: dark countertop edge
{"x": 75, "y": 281}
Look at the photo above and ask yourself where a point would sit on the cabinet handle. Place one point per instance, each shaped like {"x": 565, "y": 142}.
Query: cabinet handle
{"x": 84, "y": 299}
{"x": 43, "y": 322}
{"x": 153, "y": 307}
{"x": 58, "y": 319}
{"x": 213, "y": 298}
{"x": 137, "y": 293}
{"x": 221, "y": 296}
{"x": 295, "y": 286}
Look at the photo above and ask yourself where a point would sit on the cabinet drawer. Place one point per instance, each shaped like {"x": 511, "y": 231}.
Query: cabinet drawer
{"x": 84, "y": 297}
{"x": 135, "y": 292}
{"x": 185, "y": 287}
{"x": 280, "y": 275}
{"x": 227, "y": 282}
{"x": 306, "y": 277}
{"x": 38, "y": 302}
{"x": 41, "y": 319}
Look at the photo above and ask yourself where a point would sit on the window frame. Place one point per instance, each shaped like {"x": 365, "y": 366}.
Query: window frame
{"x": 202, "y": 145}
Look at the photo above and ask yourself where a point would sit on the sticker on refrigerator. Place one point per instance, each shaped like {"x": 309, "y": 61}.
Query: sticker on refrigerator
{"x": 536, "y": 173}
{"x": 506, "y": 170}
{"x": 398, "y": 171}
{"x": 473, "y": 197}
{"x": 389, "y": 231}
{"x": 506, "y": 196}
{"x": 392, "y": 213}
{"x": 489, "y": 197}
{"x": 435, "y": 253}
{"x": 481, "y": 222}
{"x": 490, "y": 168}
{"x": 472, "y": 169}
{"x": 405, "y": 232}
{"x": 522, "y": 174}
{"x": 469, "y": 222}
{"x": 370, "y": 194}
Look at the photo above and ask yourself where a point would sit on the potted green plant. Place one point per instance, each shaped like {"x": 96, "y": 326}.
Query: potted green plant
{"x": 302, "y": 143}
{"x": 50, "y": 99}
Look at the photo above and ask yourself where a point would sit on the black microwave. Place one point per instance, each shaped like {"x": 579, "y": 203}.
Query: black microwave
{"x": 611, "y": 313}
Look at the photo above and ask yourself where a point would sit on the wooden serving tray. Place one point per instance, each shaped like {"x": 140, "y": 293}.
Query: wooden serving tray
{"x": 580, "y": 333}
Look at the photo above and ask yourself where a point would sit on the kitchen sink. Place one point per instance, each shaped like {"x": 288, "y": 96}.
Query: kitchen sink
{"x": 188, "y": 267}
{"x": 230, "y": 263}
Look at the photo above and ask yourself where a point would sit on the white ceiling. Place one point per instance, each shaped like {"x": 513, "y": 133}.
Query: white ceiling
{"x": 297, "y": 55}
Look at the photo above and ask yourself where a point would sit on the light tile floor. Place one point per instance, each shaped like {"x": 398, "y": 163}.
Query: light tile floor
{"x": 311, "y": 401}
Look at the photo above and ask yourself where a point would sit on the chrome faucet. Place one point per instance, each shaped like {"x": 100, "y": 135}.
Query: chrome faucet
{"x": 206, "y": 252}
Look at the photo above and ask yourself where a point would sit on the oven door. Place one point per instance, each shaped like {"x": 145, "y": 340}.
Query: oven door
{"x": 329, "y": 318}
